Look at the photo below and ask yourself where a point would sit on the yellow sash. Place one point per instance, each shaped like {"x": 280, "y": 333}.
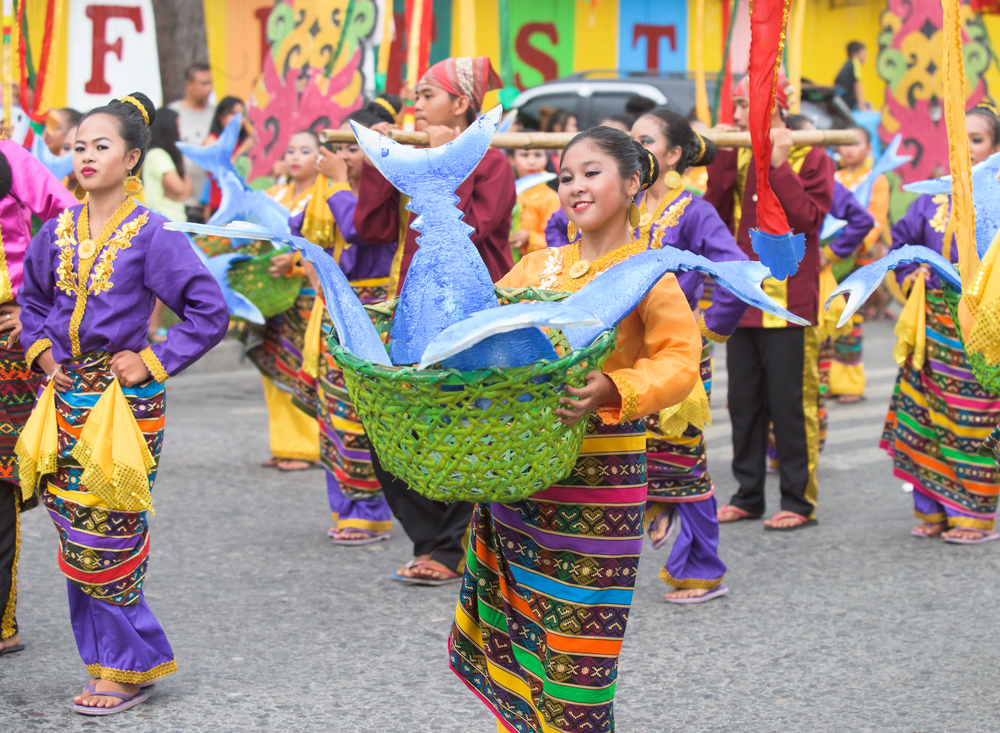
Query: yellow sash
{"x": 910, "y": 330}
{"x": 695, "y": 409}
{"x": 313, "y": 337}
{"x": 827, "y": 320}
{"x": 37, "y": 448}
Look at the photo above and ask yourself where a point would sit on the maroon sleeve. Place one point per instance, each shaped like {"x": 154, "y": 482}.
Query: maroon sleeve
{"x": 376, "y": 217}
{"x": 806, "y": 197}
{"x": 722, "y": 185}
{"x": 487, "y": 200}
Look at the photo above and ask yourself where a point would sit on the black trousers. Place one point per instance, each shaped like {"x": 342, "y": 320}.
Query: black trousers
{"x": 774, "y": 378}
{"x": 9, "y": 539}
{"x": 436, "y": 528}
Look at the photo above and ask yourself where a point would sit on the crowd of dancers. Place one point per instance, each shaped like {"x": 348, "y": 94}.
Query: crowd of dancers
{"x": 545, "y": 584}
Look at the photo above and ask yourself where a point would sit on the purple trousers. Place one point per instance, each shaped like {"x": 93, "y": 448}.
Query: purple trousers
{"x": 694, "y": 559}
{"x": 351, "y": 514}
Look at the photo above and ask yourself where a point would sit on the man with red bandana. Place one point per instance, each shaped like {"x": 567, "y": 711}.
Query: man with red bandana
{"x": 773, "y": 364}
{"x": 448, "y": 99}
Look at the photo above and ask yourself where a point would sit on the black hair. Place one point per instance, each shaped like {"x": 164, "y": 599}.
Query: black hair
{"x": 987, "y": 112}
{"x": 797, "y": 122}
{"x": 624, "y": 119}
{"x": 72, "y": 116}
{"x": 196, "y": 67}
{"x": 854, "y": 47}
{"x": 638, "y": 105}
{"x": 225, "y": 107}
{"x": 163, "y": 134}
{"x": 628, "y": 153}
{"x": 864, "y": 133}
{"x": 560, "y": 117}
{"x": 378, "y": 110}
{"x": 696, "y": 150}
{"x": 131, "y": 123}
{"x": 362, "y": 117}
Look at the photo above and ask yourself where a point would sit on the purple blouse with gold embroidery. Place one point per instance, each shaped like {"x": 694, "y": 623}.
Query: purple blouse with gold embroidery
{"x": 126, "y": 271}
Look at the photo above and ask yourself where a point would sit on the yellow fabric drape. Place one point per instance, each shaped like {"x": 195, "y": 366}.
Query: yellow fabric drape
{"x": 700, "y": 90}
{"x": 313, "y": 339}
{"x": 795, "y": 52}
{"x": 37, "y": 448}
{"x": 694, "y": 410}
{"x": 827, "y": 320}
{"x": 983, "y": 299}
{"x": 113, "y": 452}
{"x": 910, "y": 330}
{"x": 317, "y": 221}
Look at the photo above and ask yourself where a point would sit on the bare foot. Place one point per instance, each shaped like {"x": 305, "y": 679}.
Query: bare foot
{"x": 433, "y": 570}
{"x": 785, "y": 520}
{"x": 730, "y": 513}
{"x": 686, "y": 593}
{"x": 97, "y": 700}
{"x": 12, "y": 641}
{"x": 659, "y": 530}
{"x": 293, "y": 465}
{"x": 957, "y": 533}
{"x": 407, "y": 571}
{"x": 849, "y": 399}
{"x": 272, "y": 462}
{"x": 931, "y": 529}
{"x": 350, "y": 534}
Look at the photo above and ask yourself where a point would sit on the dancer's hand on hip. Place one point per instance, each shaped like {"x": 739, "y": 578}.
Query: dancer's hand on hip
{"x": 129, "y": 368}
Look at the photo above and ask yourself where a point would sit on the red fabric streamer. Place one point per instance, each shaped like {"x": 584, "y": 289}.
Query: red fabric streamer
{"x": 35, "y": 115}
{"x": 767, "y": 41}
{"x": 426, "y": 21}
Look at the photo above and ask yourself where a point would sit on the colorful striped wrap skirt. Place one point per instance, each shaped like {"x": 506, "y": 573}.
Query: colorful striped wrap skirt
{"x": 279, "y": 356}
{"x": 355, "y": 494}
{"x": 19, "y": 386}
{"x": 547, "y": 589}
{"x": 938, "y": 420}
{"x": 104, "y": 552}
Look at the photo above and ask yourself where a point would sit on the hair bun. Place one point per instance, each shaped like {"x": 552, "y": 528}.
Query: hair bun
{"x": 648, "y": 165}
{"x": 386, "y": 107}
{"x": 989, "y": 107}
{"x": 142, "y": 105}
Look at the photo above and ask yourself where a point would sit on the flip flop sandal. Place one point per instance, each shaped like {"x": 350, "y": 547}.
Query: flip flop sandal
{"x": 12, "y": 649}
{"x": 406, "y": 578}
{"x": 788, "y": 515}
{"x": 127, "y": 701}
{"x": 984, "y": 537}
{"x": 357, "y": 542}
{"x": 924, "y": 535}
{"x": 308, "y": 467}
{"x": 671, "y": 526}
{"x": 714, "y": 593}
{"x": 453, "y": 577}
{"x": 740, "y": 514}
{"x": 89, "y": 687}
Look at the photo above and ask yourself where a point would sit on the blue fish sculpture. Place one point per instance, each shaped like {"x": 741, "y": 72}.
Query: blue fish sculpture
{"x": 447, "y": 280}
{"x": 525, "y": 183}
{"x": 861, "y": 283}
{"x": 218, "y": 156}
{"x": 985, "y": 198}
{"x": 610, "y": 297}
{"x": 239, "y": 305}
{"x": 350, "y": 319}
{"x": 780, "y": 253}
{"x": 889, "y": 161}
{"x": 59, "y": 165}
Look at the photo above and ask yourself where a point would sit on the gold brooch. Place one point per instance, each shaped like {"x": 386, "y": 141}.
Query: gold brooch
{"x": 646, "y": 219}
{"x": 579, "y": 269}
{"x": 87, "y": 249}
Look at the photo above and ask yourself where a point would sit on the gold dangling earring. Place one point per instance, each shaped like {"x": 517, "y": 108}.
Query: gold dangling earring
{"x": 673, "y": 180}
{"x": 633, "y": 214}
{"x": 571, "y": 232}
{"x": 132, "y": 186}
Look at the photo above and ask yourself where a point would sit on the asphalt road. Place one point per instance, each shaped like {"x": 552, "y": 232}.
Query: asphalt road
{"x": 853, "y": 625}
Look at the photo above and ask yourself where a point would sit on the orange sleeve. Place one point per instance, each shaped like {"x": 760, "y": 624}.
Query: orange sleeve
{"x": 878, "y": 207}
{"x": 656, "y": 359}
{"x": 537, "y": 205}
{"x": 525, "y": 273}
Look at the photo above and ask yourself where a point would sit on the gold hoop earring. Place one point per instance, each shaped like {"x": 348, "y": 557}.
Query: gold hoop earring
{"x": 633, "y": 214}
{"x": 132, "y": 186}
{"x": 571, "y": 232}
{"x": 673, "y": 180}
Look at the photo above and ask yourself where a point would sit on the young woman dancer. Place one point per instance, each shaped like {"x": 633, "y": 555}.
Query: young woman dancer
{"x": 680, "y": 487}
{"x": 90, "y": 280}
{"x": 26, "y": 189}
{"x": 548, "y": 581}
{"x": 291, "y": 403}
{"x": 357, "y": 503}
{"x": 939, "y": 415}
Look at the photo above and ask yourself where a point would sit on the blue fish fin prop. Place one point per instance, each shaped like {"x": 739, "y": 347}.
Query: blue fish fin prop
{"x": 59, "y": 166}
{"x": 508, "y": 121}
{"x": 526, "y": 183}
{"x": 861, "y": 283}
{"x": 780, "y": 253}
{"x": 239, "y": 305}
{"x": 889, "y": 161}
{"x": 239, "y": 201}
{"x": 218, "y": 156}
{"x": 447, "y": 280}
{"x": 831, "y": 227}
{"x": 511, "y": 332}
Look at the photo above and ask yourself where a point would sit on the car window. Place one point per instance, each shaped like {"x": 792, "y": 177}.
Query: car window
{"x": 528, "y": 114}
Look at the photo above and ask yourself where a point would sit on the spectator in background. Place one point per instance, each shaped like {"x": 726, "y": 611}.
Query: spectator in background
{"x": 621, "y": 122}
{"x": 563, "y": 121}
{"x": 848, "y": 81}
{"x": 638, "y": 105}
{"x": 196, "y": 112}
{"x": 534, "y": 206}
{"x": 60, "y": 122}
{"x": 224, "y": 112}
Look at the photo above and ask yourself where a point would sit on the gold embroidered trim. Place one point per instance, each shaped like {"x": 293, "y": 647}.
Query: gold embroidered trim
{"x": 7, "y": 627}
{"x": 37, "y": 349}
{"x": 970, "y": 523}
{"x": 154, "y": 365}
{"x": 550, "y": 273}
{"x": 126, "y": 677}
{"x": 104, "y": 270}
{"x": 939, "y": 222}
{"x": 630, "y": 402}
{"x": 690, "y": 582}
{"x": 649, "y": 223}
{"x": 6, "y": 290}
{"x": 938, "y": 518}
{"x": 709, "y": 333}
{"x": 572, "y": 255}
{"x": 67, "y": 244}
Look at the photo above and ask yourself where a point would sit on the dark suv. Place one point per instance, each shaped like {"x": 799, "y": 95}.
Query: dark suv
{"x": 594, "y": 95}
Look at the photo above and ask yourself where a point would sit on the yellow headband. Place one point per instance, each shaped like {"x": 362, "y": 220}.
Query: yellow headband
{"x": 701, "y": 153}
{"x": 652, "y": 164}
{"x": 129, "y": 99}
{"x": 388, "y": 107}
{"x": 990, "y": 106}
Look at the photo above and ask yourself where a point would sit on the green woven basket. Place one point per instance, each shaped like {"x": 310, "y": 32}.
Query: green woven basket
{"x": 272, "y": 295}
{"x": 484, "y": 436}
{"x": 987, "y": 375}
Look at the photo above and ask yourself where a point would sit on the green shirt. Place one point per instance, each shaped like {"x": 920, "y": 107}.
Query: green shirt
{"x": 158, "y": 163}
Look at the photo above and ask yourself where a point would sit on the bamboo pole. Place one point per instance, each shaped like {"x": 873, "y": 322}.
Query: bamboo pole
{"x": 531, "y": 140}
